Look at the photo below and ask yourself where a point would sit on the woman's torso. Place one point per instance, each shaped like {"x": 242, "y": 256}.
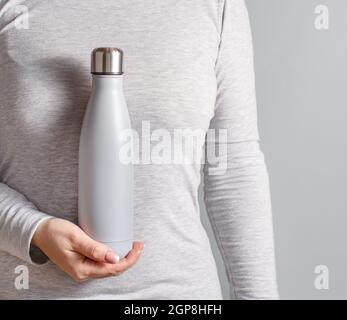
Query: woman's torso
{"x": 170, "y": 52}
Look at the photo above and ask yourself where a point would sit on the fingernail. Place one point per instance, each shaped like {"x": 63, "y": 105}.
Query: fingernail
{"x": 111, "y": 257}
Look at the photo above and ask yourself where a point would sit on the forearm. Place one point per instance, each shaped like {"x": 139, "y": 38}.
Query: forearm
{"x": 239, "y": 207}
{"x": 18, "y": 221}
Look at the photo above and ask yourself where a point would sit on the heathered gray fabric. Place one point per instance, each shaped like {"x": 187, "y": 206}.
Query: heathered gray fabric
{"x": 188, "y": 64}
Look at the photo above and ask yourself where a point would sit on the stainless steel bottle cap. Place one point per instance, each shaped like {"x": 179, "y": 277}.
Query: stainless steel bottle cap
{"x": 107, "y": 61}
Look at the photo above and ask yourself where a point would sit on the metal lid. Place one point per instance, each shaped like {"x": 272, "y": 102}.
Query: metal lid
{"x": 107, "y": 61}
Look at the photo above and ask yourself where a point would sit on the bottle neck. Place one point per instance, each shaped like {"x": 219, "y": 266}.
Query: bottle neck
{"x": 103, "y": 81}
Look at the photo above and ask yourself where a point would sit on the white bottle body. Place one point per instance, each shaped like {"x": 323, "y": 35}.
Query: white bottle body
{"x": 105, "y": 202}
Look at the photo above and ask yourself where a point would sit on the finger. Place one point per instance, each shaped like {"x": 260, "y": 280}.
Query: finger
{"x": 94, "y": 250}
{"x": 92, "y": 269}
{"x": 131, "y": 258}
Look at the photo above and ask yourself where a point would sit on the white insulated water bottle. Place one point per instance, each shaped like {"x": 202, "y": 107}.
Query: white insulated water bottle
{"x": 105, "y": 201}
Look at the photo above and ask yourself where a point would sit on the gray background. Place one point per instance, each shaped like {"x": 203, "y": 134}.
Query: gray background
{"x": 302, "y": 98}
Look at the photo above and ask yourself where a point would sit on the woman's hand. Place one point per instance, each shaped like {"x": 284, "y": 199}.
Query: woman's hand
{"x": 81, "y": 257}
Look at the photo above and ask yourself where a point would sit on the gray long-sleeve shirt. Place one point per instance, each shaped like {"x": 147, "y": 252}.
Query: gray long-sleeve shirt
{"x": 188, "y": 64}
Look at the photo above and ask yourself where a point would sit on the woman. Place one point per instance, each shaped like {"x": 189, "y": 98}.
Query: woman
{"x": 188, "y": 65}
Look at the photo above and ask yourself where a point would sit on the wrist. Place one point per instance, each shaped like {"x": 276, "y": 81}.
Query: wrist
{"x": 37, "y": 238}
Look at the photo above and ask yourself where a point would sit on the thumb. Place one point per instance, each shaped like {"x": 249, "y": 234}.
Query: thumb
{"x": 94, "y": 250}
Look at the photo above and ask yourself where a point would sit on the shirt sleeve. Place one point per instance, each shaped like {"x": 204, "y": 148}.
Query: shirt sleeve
{"x": 19, "y": 217}
{"x": 18, "y": 221}
{"x": 237, "y": 196}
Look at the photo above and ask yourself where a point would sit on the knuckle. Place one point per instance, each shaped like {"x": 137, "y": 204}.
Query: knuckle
{"x": 92, "y": 251}
{"x": 113, "y": 272}
{"x": 79, "y": 275}
{"x": 73, "y": 236}
{"x": 78, "y": 278}
{"x": 95, "y": 251}
{"x": 127, "y": 264}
